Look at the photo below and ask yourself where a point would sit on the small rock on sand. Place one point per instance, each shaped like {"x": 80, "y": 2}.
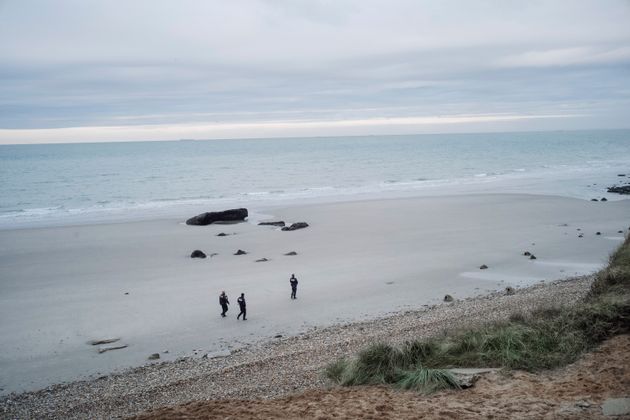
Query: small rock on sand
{"x": 448, "y": 298}
{"x": 197, "y": 254}
{"x": 509, "y": 291}
{"x": 154, "y": 356}
{"x": 104, "y": 349}
{"x": 532, "y": 257}
{"x": 598, "y": 233}
{"x": 483, "y": 267}
{"x": 291, "y": 253}
{"x": 240, "y": 252}
{"x": 280, "y": 223}
{"x": 295, "y": 226}
{"x": 603, "y": 199}
{"x": 262, "y": 260}
{"x": 222, "y": 234}
{"x": 527, "y": 253}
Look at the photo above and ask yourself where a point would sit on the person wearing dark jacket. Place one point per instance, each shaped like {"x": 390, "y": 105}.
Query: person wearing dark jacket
{"x": 243, "y": 306}
{"x": 224, "y": 302}
{"x": 294, "y": 284}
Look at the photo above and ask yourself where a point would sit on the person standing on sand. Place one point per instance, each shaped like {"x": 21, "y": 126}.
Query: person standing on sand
{"x": 294, "y": 283}
{"x": 224, "y": 302}
{"x": 243, "y": 306}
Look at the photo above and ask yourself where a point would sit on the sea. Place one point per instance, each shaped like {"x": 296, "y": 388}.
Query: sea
{"x": 60, "y": 184}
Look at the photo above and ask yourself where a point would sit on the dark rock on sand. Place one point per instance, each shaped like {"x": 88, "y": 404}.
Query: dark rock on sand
{"x": 222, "y": 234}
{"x": 197, "y": 254}
{"x": 532, "y": 257}
{"x": 603, "y": 199}
{"x": 104, "y": 349}
{"x": 154, "y": 356}
{"x": 291, "y": 253}
{"x": 278, "y": 336}
{"x": 448, "y": 298}
{"x": 232, "y": 215}
{"x": 509, "y": 291}
{"x": 620, "y": 231}
{"x": 103, "y": 341}
{"x": 527, "y": 253}
{"x": 621, "y": 174}
{"x": 619, "y": 190}
{"x": 581, "y": 235}
{"x": 262, "y": 260}
{"x": 280, "y": 223}
{"x": 240, "y": 252}
{"x": 594, "y": 199}
{"x": 483, "y": 267}
{"x": 598, "y": 233}
{"x": 295, "y": 226}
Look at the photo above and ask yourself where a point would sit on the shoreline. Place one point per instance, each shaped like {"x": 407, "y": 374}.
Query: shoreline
{"x": 276, "y": 367}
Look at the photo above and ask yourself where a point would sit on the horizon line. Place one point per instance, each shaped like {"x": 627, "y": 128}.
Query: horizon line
{"x": 268, "y": 129}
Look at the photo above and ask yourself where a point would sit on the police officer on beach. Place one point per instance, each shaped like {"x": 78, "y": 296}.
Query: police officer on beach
{"x": 294, "y": 284}
{"x": 243, "y": 306}
{"x": 224, "y": 302}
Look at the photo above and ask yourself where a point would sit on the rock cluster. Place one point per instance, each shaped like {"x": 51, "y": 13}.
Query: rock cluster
{"x": 625, "y": 189}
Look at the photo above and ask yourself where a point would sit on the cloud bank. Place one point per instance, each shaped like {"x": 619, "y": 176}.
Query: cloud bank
{"x": 145, "y": 70}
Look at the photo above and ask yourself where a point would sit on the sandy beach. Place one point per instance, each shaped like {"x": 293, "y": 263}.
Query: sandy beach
{"x": 65, "y": 286}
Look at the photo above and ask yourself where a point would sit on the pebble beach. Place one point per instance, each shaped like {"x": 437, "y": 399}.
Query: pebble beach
{"x": 273, "y": 368}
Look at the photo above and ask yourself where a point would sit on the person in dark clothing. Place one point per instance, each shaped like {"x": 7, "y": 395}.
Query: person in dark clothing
{"x": 224, "y": 302}
{"x": 294, "y": 284}
{"x": 243, "y": 306}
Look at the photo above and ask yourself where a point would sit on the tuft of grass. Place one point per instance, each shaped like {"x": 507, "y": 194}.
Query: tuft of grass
{"x": 546, "y": 338}
{"x": 427, "y": 380}
{"x": 376, "y": 364}
{"x": 335, "y": 370}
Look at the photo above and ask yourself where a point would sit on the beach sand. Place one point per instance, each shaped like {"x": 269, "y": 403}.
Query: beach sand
{"x": 61, "y": 287}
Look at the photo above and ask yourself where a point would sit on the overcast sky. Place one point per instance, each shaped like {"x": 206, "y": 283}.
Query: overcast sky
{"x": 87, "y": 70}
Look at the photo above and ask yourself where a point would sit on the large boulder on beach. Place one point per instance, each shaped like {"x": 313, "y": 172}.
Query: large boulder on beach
{"x": 296, "y": 226}
{"x": 232, "y": 215}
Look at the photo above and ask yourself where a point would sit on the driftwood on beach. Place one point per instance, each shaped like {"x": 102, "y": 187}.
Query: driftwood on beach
{"x": 232, "y": 215}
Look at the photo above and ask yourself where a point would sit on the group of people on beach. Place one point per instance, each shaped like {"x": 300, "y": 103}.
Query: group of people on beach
{"x": 224, "y": 301}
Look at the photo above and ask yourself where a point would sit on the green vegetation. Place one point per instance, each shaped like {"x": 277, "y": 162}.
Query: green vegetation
{"x": 542, "y": 339}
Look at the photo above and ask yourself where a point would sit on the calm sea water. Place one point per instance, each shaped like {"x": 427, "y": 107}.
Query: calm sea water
{"x": 75, "y": 183}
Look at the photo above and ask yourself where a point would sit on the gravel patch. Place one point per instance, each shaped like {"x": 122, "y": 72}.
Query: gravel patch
{"x": 273, "y": 368}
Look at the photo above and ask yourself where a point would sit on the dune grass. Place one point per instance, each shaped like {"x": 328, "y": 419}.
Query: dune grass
{"x": 542, "y": 339}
